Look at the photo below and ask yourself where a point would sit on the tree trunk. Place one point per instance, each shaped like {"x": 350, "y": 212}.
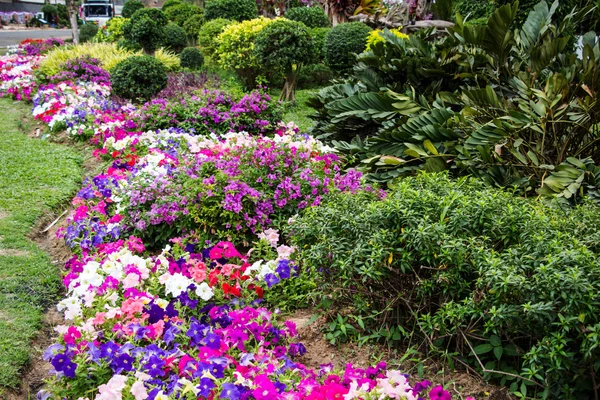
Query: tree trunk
{"x": 72, "y": 8}
{"x": 289, "y": 87}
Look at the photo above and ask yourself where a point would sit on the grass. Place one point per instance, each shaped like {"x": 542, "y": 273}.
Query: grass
{"x": 299, "y": 112}
{"x": 35, "y": 176}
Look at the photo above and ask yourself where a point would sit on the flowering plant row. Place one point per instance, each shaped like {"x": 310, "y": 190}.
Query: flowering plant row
{"x": 185, "y": 321}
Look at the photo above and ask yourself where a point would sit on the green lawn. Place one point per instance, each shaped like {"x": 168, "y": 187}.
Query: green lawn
{"x": 298, "y": 113}
{"x": 35, "y": 176}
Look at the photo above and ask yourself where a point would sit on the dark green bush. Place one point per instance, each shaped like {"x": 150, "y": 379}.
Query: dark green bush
{"x": 179, "y": 13}
{"x": 284, "y": 46}
{"x": 342, "y": 41}
{"x": 191, "y": 58}
{"x": 312, "y": 17}
{"x": 130, "y": 7}
{"x": 235, "y": 10}
{"x": 138, "y": 78}
{"x": 87, "y": 32}
{"x": 192, "y": 27}
{"x": 210, "y": 31}
{"x": 458, "y": 266}
{"x": 314, "y": 76}
{"x": 50, "y": 12}
{"x": 170, "y": 3}
{"x": 474, "y": 9}
{"x": 175, "y": 38}
{"x": 146, "y": 28}
{"x": 128, "y": 45}
{"x": 318, "y": 36}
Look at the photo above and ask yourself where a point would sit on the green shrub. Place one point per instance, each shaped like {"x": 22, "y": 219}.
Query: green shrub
{"x": 458, "y": 266}
{"x": 191, "y": 58}
{"x": 170, "y": 3}
{"x": 63, "y": 14}
{"x": 114, "y": 28}
{"x": 236, "y": 48}
{"x": 87, "y": 32}
{"x": 284, "y": 46}
{"x": 209, "y": 33}
{"x": 474, "y": 9}
{"x": 318, "y": 36}
{"x": 50, "y": 12}
{"x": 175, "y": 38}
{"x": 312, "y": 17}
{"x": 146, "y": 28}
{"x": 314, "y": 76}
{"x": 138, "y": 78}
{"x": 192, "y": 27}
{"x": 128, "y": 45}
{"x": 179, "y": 13}
{"x": 342, "y": 41}
{"x": 130, "y": 7}
{"x": 235, "y": 10}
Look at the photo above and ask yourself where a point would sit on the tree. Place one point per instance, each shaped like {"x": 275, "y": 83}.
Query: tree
{"x": 285, "y": 46}
{"x": 72, "y": 9}
{"x": 146, "y": 28}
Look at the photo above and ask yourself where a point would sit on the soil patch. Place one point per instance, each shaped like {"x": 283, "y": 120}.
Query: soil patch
{"x": 319, "y": 351}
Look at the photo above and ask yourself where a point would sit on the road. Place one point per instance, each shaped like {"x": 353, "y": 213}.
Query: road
{"x": 9, "y": 37}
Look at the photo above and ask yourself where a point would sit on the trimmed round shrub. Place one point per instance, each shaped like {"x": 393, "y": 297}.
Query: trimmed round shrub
{"x": 130, "y": 7}
{"x": 87, "y": 32}
{"x": 128, "y": 45}
{"x": 175, "y": 39}
{"x": 342, "y": 41}
{"x": 318, "y": 36}
{"x": 313, "y": 17}
{"x": 170, "y": 3}
{"x": 192, "y": 27}
{"x": 236, "y": 10}
{"x": 236, "y": 48}
{"x": 209, "y": 33}
{"x": 179, "y": 13}
{"x": 191, "y": 58}
{"x": 146, "y": 28}
{"x": 50, "y": 12}
{"x": 138, "y": 78}
{"x": 284, "y": 46}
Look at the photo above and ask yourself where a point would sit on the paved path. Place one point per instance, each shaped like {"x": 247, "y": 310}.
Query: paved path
{"x": 9, "y": 37}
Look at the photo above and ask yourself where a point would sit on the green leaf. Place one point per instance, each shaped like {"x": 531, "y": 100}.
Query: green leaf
{"x": 495, "y": 341}
{"x": 483, "y": 348}
{"x": 498, "y": 352}
{"x": 429, "y": 146}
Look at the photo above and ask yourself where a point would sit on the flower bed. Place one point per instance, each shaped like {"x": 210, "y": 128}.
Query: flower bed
{"x": 186, "y": 321}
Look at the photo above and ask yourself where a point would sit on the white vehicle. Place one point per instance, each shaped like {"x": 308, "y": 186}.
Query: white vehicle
{"x": 97, "y": 11}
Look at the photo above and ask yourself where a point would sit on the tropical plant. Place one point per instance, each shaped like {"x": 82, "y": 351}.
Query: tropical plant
{"x": 516, "y": 108}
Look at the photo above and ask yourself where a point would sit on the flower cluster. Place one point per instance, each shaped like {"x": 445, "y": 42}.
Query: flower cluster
{"x": 84, "y": 69}
{"x": 35, "y": 47}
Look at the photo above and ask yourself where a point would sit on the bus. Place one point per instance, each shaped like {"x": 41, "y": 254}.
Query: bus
{"x": 97, "y": 11}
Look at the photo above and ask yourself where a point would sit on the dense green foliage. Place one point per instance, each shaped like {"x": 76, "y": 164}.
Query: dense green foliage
{"x": 180, "y": 13}
{"x": 37, "y": 176}
{"x": 318, "y": 36}
{"x": 138, "y": 78}
{"x": 87, "y": 32}
{"x": 235, "y": 10}
{"x": 170, "y": 3}
{"x": 146, "y": 28}
{"x": 191, "y": 58}
{"x": 175, "y": 38}
{"x": 50, "y": 12}
{"x": 130, "y": 7}
{"x": 460, "y": 266}
{"x": 209, "y": 33}
{"x": 192, "y": 27}
{"x": 342, "y": 41}
{"x": 515, "y": 108}
{"x": 284, "y": 46}
{"x": 312, "y": 17}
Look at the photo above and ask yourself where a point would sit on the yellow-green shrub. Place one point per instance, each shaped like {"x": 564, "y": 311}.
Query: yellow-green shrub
{"x": 107, "y": 53}
{"x": 236, "y": 47}
{"x": 375, "y": 37}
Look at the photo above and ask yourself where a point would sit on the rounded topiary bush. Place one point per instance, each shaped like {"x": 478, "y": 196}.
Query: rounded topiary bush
{"x": 318, "y": 36}
{"x": 130, "y": 7}
{"x": 146, "y": 28}
{"x": 179, "y": 13}
{"x": 209, "y": 32}
{"x": 192, "y": 27}
{"x": 175, "y": 38}
{"x": 170, "y": 3}
{"x": 342, "y": 41}
{"x": 236, "y": 10}
{"x": 191, "y": 58}
{"x": 313, "y": 17}
{"x": 128, "y": 45}
{"x": 138, "y": 78}
{"x": 87, "y": 32}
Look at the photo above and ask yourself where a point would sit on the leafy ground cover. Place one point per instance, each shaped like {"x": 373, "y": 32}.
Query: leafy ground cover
{"x": 36, "y": 176}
